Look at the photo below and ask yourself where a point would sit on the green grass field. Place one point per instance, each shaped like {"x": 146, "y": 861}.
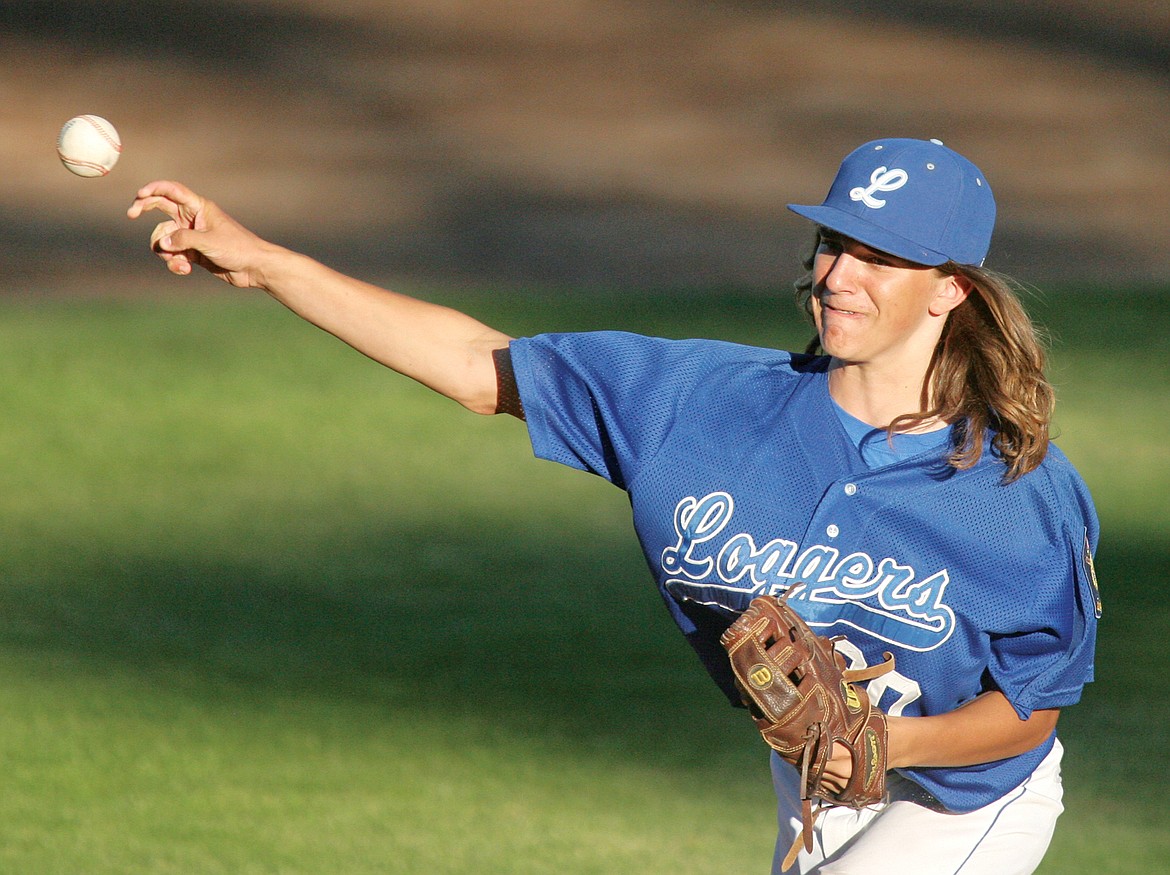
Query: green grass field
{"x": 238, "y": 561}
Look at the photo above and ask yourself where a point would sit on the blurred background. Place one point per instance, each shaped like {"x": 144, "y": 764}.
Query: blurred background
{"x": 226, "y": 540}
{"x": 648, "y": 143}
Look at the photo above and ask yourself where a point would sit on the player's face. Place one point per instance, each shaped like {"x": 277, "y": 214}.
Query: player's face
{"x": 872, "y": 308}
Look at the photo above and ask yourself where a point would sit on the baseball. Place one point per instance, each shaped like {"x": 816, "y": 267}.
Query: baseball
{"x": 88, "y": 145}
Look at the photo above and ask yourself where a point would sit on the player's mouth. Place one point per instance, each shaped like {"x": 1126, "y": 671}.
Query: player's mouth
{"x": 840, "y": 310}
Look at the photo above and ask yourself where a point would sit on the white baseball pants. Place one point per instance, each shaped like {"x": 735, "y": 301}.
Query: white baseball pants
{"x": 1007, "y": 837}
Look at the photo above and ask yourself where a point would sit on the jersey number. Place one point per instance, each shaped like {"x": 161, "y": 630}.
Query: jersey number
{"x": 906, "y": 689}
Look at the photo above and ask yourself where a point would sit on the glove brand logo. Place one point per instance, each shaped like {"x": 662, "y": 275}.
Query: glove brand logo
{"x": 882, "y": 598}
{"x": 873, "y": 757}
{"x": 852, "y": 701}
{"x": 882, "y": 179}
{"x": 760, "y": 676}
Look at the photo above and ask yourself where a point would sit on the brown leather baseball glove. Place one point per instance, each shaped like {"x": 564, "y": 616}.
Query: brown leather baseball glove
{"x": 804, "y": 701}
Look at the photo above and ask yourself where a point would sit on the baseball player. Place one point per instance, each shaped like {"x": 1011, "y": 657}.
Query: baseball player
{"x": 897, "y": 477}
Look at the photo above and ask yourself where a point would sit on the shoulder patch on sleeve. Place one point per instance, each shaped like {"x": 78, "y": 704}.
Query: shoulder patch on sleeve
{"x": 1091, "y": 575}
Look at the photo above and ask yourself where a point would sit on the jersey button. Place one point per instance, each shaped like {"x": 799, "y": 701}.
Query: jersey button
{"x": 850, "y": 488}
{"x": 832, "y": 531}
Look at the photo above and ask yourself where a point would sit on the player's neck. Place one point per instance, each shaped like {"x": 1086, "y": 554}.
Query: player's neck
{"x": 877, "y": 396}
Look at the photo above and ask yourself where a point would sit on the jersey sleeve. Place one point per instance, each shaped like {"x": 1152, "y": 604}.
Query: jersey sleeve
{"x": 1048, "y": 659}
{"x": 603, "y": 402}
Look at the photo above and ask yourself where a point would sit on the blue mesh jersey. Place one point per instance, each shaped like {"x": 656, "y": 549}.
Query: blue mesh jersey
{"x": 743, "y": 481}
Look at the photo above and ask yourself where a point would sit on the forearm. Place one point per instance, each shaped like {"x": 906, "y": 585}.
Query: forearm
{"x": 439, "y": 347}
{"x": 983, "y": 730}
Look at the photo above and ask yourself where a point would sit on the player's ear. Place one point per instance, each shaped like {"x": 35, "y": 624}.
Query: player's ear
{"x": 952, "y": 290}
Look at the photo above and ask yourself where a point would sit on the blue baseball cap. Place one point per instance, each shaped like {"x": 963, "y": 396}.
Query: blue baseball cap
{"x": 915, "y": 199}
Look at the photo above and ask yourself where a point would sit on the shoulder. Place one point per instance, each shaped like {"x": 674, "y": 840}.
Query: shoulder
{"x": 614, "y": 352}
{"x": 1063, "y": 483}
{"x": 1051, "y": 502}
{"x": 627, "y": 341}
{"x": 1055, "y": 477}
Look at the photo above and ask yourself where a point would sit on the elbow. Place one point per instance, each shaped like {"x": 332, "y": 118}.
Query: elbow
{"x": 1038, "y": 727}
{"x": 496, "y": 392}
{"x": 1028, "y": 734}
{"x": 489, "y": 406}
{"x": 476, "y": 381}
{"x": 481, "y": 405}
{"x": 488, "y": 398}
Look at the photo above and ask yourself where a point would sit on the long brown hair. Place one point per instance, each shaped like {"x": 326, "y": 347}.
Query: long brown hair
{"x": 986, "y": 376}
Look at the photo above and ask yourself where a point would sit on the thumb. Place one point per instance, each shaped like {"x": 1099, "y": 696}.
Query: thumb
{"x": 172, "y": 239}
{"x": 175, "y": 246}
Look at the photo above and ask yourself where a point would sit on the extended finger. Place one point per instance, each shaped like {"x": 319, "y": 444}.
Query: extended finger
{"x": 143, "y": 205}
{"x": 170, "y": 197}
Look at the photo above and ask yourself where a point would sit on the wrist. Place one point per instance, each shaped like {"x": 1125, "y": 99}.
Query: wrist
{"x": 274, "y": 266}
{"x": 899, "y": 742}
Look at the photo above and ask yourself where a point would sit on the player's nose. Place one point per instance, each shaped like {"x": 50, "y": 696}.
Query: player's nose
{"x": 841, "y": 274}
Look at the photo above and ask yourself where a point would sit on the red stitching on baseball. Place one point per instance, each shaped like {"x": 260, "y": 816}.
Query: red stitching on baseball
{"x": 101, "y": 129}
{"x": 75, "y": 162}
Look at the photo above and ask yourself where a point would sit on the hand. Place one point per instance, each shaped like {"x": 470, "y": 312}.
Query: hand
{"x": 838, "y": 769}
{"x": 199, "y": 233}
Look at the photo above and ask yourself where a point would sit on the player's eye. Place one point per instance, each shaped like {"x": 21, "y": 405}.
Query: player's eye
{"x": 830, "y": 244}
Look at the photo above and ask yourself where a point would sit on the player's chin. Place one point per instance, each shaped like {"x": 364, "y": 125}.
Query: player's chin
{"x": 836, "y": 342}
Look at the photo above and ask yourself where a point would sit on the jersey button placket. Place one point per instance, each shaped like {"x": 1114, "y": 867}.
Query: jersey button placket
{"x": 833, "y": 529}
